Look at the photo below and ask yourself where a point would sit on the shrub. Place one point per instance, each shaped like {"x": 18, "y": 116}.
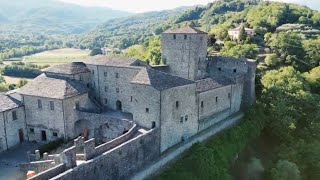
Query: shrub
{"x": 51, "y": 146}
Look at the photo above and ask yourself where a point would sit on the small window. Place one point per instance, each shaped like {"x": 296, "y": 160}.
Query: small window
{"x": 186, "y": 118}
{"x": 219, "y": 69}
{"x": 105, "y": 89}
{"x": 177, "y": 104}
{"x": 181, "y": 120}
{"x": 81, "y": 78}
{"x": 105, "y": 101}
{"x": 51, "y": 105}
{"x": 117, "y": 90}
{"x": 229, "y": 95}
{"x": 174, "y": 36}
{"x": 147, "y": 110}
{"x": 234, "y": 70}
{"x": 202, "y": 104}
{"x": 185, "y": 36}
{"x": 54, "y": 134}
{"x": 131, "y": 99}
{"x": 39, "y": 104}
{"x": 117, "y": 75}
{"x": 14, "y": 115}
{"x": 31, "y": 130}
{"x": 92, "y": 71}
{"x": 105, "y": 74}
{"x": 216, "y": 99}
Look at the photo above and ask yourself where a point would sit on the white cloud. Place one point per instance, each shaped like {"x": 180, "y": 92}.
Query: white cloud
{"x": 138, "y": 5}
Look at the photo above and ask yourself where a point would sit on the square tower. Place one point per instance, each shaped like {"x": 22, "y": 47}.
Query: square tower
{"x": 184, "y": 50}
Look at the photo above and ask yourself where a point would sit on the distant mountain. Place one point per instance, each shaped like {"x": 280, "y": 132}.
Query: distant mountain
{"x": 52, "y": 16}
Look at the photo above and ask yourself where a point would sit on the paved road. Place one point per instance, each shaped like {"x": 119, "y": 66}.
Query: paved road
{"x": 9, "y": 161}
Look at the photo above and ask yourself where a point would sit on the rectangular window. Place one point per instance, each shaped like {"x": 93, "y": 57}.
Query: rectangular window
{"x": 234, "y": 70}
{"x": 105, "y": 101}
{"x": 39, "y": 104}
{"x": 181, "y": 120}
{"x": 216, "y": 99}
{"x": 177, "y": 104}
{"x": 147, "y": 110}
{"x": 92, "y": 71}
{"x": 219, "y": 69}
{"x": 51, "y": 105}
{"x": 131, "y": 99}
{"x": 81, "y": 78}
{"x": 14, "y": 115}
{"x": 229, "y": 95}
{"x": 31, "y": 130}
{"x": 117, "y": 75}
{"x": 105, "y": 89}
{"x": 117, "y": 90}
{"x": 202, "y": 104}
{"x": 77, "y": 105}
{"x": 185, "y": 36}
{"x": 105, "y": 74}
{"x": 54, "y": 134}
{"x": 186, "y": 118}
{"x": 174, "y": 36}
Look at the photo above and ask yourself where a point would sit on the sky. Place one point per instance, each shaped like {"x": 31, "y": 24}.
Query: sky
{"x": 139, "y": 6}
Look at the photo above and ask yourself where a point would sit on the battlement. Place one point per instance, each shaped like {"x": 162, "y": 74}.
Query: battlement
{"x": 141, "y": 144}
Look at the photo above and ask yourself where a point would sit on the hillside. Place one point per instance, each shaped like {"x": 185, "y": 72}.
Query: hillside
{"x": 216, "y": 17}
{"x": 52, "y": 17}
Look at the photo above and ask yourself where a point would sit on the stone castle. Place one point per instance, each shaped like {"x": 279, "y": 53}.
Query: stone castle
{"x": 128, "y": 113}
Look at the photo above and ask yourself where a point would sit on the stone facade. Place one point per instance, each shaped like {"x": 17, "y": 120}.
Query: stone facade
{"x": 12, "y": 128}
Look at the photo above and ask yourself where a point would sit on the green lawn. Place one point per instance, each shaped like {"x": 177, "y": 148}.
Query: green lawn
{"x": 58, "y": 56}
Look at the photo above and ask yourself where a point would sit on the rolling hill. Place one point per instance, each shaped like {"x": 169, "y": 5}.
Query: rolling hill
{"x": 52, "y": 16}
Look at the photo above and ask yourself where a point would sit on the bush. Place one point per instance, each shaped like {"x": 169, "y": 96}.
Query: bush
{"x": 51, "y": 146}
{"x": 21, "y": 71}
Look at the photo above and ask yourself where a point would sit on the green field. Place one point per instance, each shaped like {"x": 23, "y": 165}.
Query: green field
{"x": 58, "y": 56}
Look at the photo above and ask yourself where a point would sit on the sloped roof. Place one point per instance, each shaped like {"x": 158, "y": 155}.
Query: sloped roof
{"x": 238, "y": 29}
{"x": 69, "y": 68}
{"x": 54, "y": 88}
{"x": 7, "y": 103}
{"x": 111, "y": 61}
{"x": 159, "y": 80}
{"x": 212, "y": 83}
{"x": 185, "y": 30}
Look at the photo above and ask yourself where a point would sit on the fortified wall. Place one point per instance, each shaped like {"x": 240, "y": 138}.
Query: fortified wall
{"x": 117, "y": 159}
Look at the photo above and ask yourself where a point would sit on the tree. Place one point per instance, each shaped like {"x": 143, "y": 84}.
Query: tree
{"x": 285, "y": 170}
{"x": 95, "y": 51}
{"x": 22, "y": 82}
{"x": 312, "y": 50}
{"x": 242, "y": 34}
{"x": 288, "y": 46}
{"x": 272, "y": 60}
{"x": 255, "y": 169}
{"x": 313, "y": 77}
{"x": 231, "y": 49}
{"x": 220, "y": 32}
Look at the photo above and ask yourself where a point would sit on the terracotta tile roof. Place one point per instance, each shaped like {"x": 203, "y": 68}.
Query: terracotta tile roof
{"x": 7, "y": 103}
{"x": 185, "y": 30}
{"x": 159, "y": 80}
{"x": 70, "y": 68}
{"x": 54, "y": 88}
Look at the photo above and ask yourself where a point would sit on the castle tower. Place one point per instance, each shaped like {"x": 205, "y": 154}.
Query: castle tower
{"x": 184, "y": 50}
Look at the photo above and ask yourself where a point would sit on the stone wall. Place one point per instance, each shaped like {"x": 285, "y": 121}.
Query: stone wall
{"x": 178, "y": 121}
{"x": 10, "y": 128}
{"x": 49, "y": 173}
{"x": 37, "y": 166}
{"x": 146, "y": 103}
{"x": 214, "y": 101}
{"x": 121, "y": 162}
{"x": 44, "y": 119}
{"x": 185, "y": 57}
{"x": 71, "y": 113}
